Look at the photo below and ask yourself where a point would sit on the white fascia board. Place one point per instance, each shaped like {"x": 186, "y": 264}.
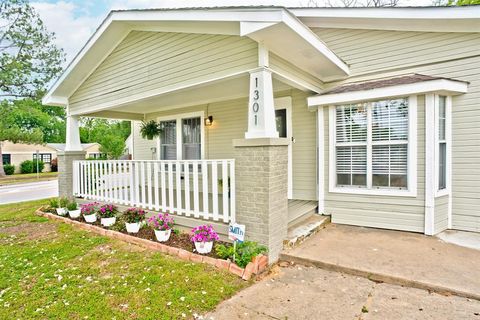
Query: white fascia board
{"x": 433, "y": 19}
{"x": 248, "y": 27}
{"x": 448, "y": 87}
{"x": 310, "y": 37}
{"x": 55, "y": 101}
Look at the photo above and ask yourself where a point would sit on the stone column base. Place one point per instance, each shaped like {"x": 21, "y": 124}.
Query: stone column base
{"x": 65, "y": 170}
{"x": 261, "y": 173}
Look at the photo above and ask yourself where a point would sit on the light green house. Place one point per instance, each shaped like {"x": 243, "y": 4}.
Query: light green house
{"x": 370, "y": 115}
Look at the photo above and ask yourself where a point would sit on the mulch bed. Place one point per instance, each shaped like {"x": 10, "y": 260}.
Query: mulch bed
{"x": 179, "y": 240}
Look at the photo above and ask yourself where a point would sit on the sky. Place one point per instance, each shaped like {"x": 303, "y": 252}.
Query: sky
{"x": 74, "y": 21}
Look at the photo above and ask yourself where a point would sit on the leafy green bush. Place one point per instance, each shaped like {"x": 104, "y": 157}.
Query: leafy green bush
{"x": 26, "y": 166}
{"x": 41, "y": 165}
{"x": 72, "y": 206}
{"x": 53, "y": 203}
{"x": 63, "y": 202}
{"x": 9, "y": 169}
{"x": 245, "y": 252}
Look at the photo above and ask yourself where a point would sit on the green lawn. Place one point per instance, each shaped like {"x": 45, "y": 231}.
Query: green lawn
{"x": 49, "y": 270}
{"x": 27, "y": 177}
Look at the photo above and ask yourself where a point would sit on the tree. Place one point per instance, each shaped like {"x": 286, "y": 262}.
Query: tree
{"x": 463, "y": 2}
{"x": 112, "y": 145}
{"x": 29, "y": 60}
{"x": 354, "y": 3}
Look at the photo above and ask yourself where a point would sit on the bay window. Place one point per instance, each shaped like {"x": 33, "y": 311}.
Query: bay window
{"x": 372, "y": 145}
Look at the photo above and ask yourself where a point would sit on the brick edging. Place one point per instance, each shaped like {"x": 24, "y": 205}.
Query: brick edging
{"x": 257, "y": 266}
{"x": 379, "y": 277}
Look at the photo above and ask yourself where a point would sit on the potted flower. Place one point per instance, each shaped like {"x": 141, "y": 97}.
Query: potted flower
{"x": 89, "y": 212}
{"x": 73, "y": 210}
{"x": 61, "y": 206}
{"x": 203, "y": 237}
{"x": 108, "y": 215}
{"x": 150, "y": 129}
{"x": 133, "y": 218}
{"x": 162, "y": 225}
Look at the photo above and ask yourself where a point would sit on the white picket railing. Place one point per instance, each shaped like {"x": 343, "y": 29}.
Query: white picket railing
{"x": 193, "y": 188}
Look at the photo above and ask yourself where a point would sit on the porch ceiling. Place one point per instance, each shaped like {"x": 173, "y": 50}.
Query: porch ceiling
{"x": 223, "y": 90}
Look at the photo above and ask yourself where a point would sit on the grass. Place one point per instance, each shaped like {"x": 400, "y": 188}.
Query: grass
{"x": 27, "y": 177}
{"x": 49, "y": 270}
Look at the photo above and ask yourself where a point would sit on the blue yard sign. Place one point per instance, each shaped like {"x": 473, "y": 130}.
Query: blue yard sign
{"x": 236, "y": 232}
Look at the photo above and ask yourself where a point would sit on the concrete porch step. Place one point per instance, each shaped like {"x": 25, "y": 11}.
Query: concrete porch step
{"x": 305, "y": 228}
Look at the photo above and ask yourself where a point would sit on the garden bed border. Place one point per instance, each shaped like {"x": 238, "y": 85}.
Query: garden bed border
{"x": 258, "y": 265}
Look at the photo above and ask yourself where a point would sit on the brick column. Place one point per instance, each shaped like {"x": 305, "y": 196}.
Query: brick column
{"x": 65, "y": 170}
{"x": 261, "y": 170}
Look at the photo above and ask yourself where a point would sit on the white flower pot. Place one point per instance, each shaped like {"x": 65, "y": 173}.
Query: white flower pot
{"x": 108, "y": 222}
{"x": 74, "y": 214}
{"x": 90, "y": 218}
{"x": 204, "y": 247}
{"x": 61, "y": 211}
{"x": 163, "y": 235}
{"x": 132, "y": 227}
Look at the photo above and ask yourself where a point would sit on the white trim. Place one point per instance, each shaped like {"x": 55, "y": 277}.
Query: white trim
{"x": 411, "y": 190}
{"x": 449, "y": 105}
{"x": 178, "y": 118}
{"x": 321, "y": 161}
{"x": 294, "y": 81}
{"x": 286, "y": 103}
{"x": 428, "y": 19}
{"x": 443, "y": 86}
{"x": 430, "y": 164}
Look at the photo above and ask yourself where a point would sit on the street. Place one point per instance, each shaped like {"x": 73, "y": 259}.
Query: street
{"x": 28, "y": 191}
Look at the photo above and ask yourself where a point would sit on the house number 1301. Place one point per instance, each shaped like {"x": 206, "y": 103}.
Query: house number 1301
{"x": 256, "y": 106}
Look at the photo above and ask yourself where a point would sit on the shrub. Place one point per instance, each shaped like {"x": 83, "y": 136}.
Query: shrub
{"x": 41, "y": 165}
{"x": 9, "y": 169}
{"x": 203, "y": 234}
{"x": 244, "y": 253}
{"x": 54, "y": 165}
{"x": 72, "y": 206}
{"x": 26, "y": 166}
{"x": 133, "y": 215}
{"x": 161, "y": 222}
{"x": 107, "y": 211}
{"x": 63, "y": 202}
{"x": 89, "y": 208}
{"x": 53, "y": 203}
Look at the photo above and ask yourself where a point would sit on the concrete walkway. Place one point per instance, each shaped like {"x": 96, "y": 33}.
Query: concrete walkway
{"x": 298, "y": 292}
{"x": 393, "y": 257}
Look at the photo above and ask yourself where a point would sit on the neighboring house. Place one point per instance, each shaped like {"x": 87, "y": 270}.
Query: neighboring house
{"x": 92, "y": 149}
{"x": 16, "y": 153}
{"x": 371, "y": 114}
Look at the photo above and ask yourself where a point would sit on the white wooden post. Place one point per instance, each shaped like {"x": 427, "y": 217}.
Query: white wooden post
{"x": 73, "y": 134}
{"x": 261, "y": 109}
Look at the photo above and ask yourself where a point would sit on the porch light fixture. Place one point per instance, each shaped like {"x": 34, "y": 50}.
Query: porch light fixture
{"x": 208, "y": 121}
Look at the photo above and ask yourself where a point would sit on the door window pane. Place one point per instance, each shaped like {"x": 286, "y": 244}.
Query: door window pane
{"x": 168, "y": 140}
{"x": 191, "y": 138}
{"x": 281, "y": 120}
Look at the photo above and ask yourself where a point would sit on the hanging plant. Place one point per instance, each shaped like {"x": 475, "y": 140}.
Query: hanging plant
{"x": 150, "y": 129}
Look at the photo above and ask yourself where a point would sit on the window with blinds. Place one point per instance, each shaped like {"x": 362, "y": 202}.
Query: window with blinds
{"x": 191, "y": 138}
{"x": 371, "y": 144}
{"x": 168, "y": 140}
{"x": 442, "y": 143}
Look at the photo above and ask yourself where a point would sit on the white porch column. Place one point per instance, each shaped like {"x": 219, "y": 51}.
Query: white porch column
{"x": 73, "y": 151}
{"x": 73, "y": 134}
{"x": 261, "y": 108}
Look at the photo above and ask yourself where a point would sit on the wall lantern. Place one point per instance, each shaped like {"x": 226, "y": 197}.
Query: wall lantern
{"x": 208, "y": 121}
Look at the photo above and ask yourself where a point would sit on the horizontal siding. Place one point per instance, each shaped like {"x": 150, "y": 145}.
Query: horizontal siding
{"x": 441, "y": 214}
{"x": 367, "y": 51}
{"x": 141, "y": 147}
{"x": 388, "y": 212}
{"x": 375, "y": 54}
{"x": 145, "y": 62}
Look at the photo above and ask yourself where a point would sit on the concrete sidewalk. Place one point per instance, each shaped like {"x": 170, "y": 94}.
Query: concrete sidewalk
{"x": 393, "y": 257}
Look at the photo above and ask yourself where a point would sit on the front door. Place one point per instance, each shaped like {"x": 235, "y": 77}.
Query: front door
{"x": 283, "y": 117}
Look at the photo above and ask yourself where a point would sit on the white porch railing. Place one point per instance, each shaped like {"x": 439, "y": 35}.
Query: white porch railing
{"x": 193, "y": 188}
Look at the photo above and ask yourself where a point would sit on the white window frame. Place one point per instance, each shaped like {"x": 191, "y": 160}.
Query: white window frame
{"x": 178, "y": 118}
{"x": 448, "y": 140}
{"x": 411, "y": 190}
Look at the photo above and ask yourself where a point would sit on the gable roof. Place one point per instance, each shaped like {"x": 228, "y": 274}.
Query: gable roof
{"x": 279, "y": 30}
